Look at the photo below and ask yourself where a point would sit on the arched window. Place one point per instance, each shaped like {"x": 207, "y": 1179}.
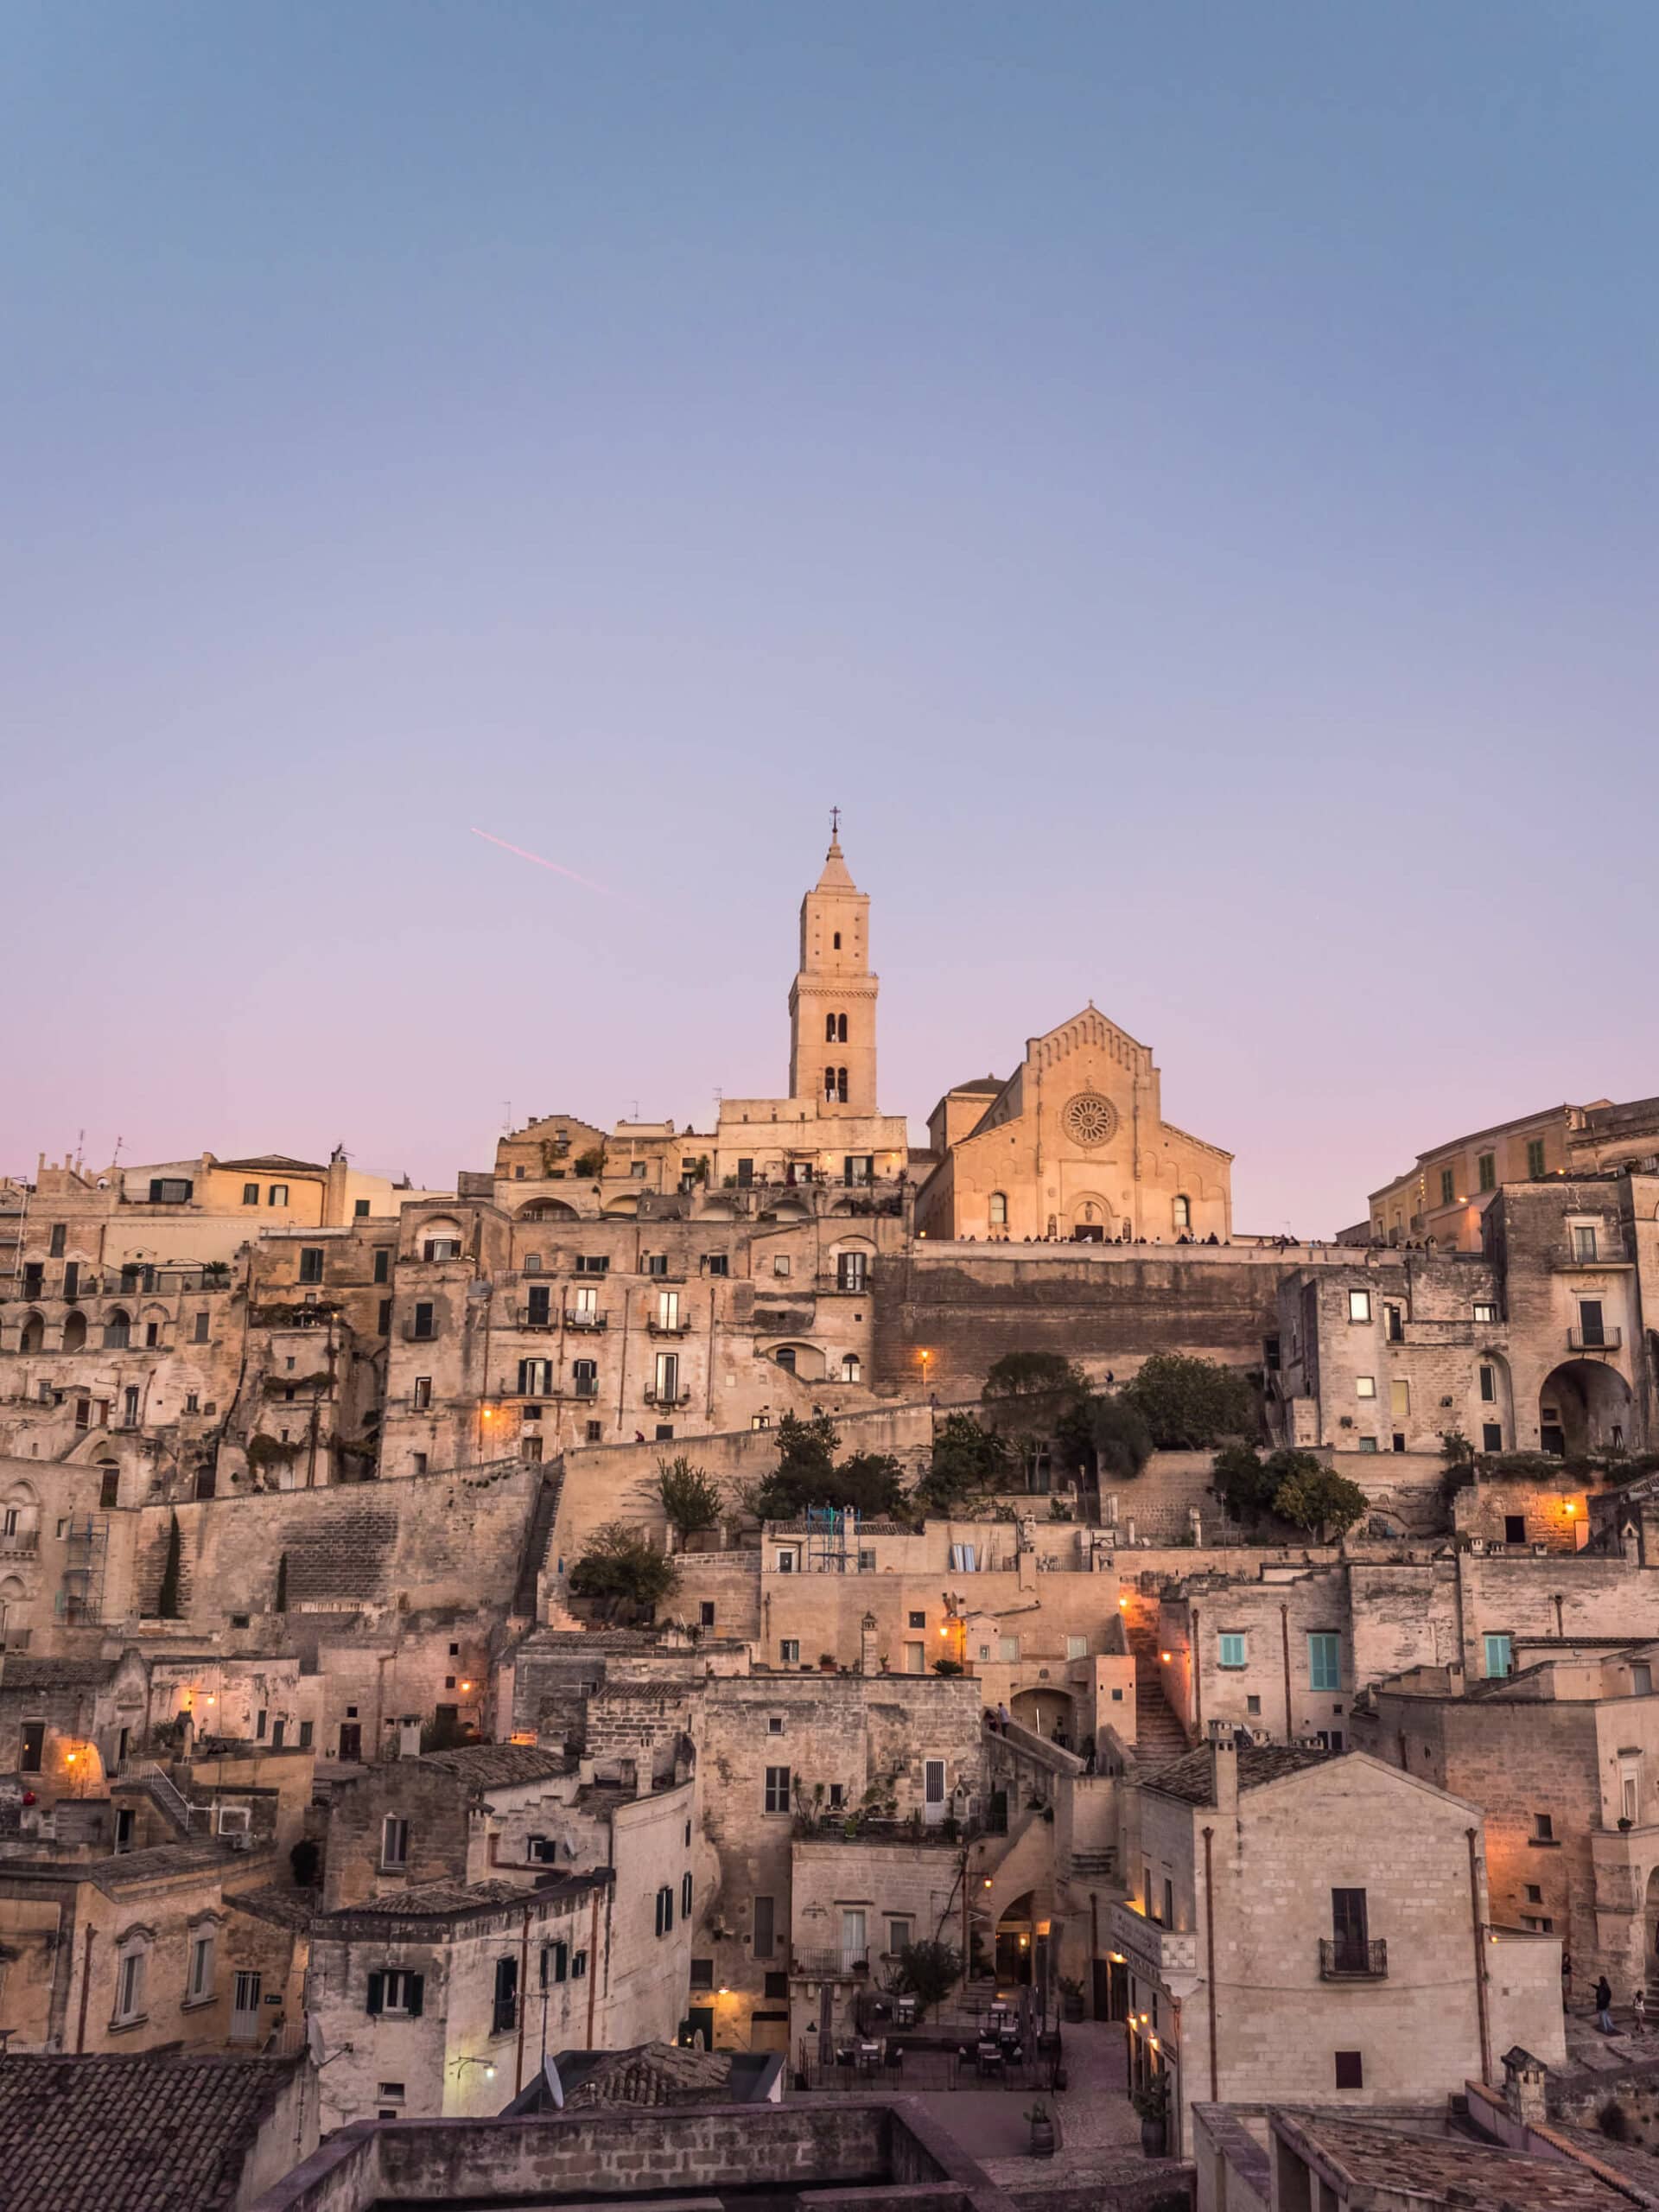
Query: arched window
{"x": 829, "y": 1083}
{"x": 118, "y": 1332}
{"x": 841, "y": 1085}
{"x": 34, "y": 1333}
{"x": 841, "y": 1029}
{"x": 665, "y": 1909}
{"x": 784, "y": 1357}
{"x": 852, "y": 1368}
{"x": 828, "y": 1028}
{"x": 1183, "y": 1213}
{"x": 75, "y": 1332}
{"x": 999, "y": 1210}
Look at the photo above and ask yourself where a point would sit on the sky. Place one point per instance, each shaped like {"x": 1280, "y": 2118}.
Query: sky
{"x": 1181, "y": 478}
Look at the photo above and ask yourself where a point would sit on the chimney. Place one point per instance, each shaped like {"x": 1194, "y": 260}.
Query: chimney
{"x": 1224, "y": 1774}
{"x": 1454, "y": 1679}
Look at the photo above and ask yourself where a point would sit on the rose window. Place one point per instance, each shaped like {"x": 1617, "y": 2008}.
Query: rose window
{"x": 1089, "y": 1119}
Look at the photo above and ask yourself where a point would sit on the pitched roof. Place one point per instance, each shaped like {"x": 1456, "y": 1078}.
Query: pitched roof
{"x": 836, "y": 876}
{"x": 653, "y": 2074}
{"x": 132, "y": 2135}
{"x": 492, "y": 1766}
{"x": 277, "y": 1159}
{"x": 17, "y": 1673}
{"x": 1441, "y": 2170}
{"x": 1192, "y": 1776}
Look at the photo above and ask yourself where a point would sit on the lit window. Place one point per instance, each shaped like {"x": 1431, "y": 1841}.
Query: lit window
{"x": 1359, "y": 1305}
{"x": 1365, "y": 1386}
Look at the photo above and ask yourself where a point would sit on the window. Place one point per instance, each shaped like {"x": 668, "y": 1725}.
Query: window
{"x": 382, "y": 1318}
{"x": 199, "y": 1982}
{"x": 584, "y": 1377}
{"x": 852, "y": 1368}
{"x": 1515, "y": 1527}
{"x": 423, "y": 1320}
{"x": 837, "y": 940}
{"x": 999, "y": 1210}
{"x": 201, "y": 1328}
{"x": 665, "y": 1909}
{"x": 789, "y": 1652}
{"x": 706, "y": 1612}
{"x": 394, "y": 1842}
{"x": 1251, "y": 1704}
{"x": 310, "y": 1263}
{"x": 152, "y": 1334}
{"x": 703, "y": 1973}
{"x": 191, "y": 1402}
{"x": 654, "y": 1263}
{"x": 535, "y": 1378}
{"x": 1324, "y": 1660}
{"x": 594, "y": 1430}
{"x": 277, "y": 1195}
{"x": 1492, "y": 1436}
{"x": 1486, "y": 1171}
{"x": 129, "y": 1406}
{"x": 1498, "y": 1654}
{"x": 1359, "y": 1305}
{"x": 1488, "y": 1377}
{"x": 637, "y": 1168}
{"x": 899, "y": 1935}
{"x": 109, "y": 1489}
{"x": 555, "y": 1963}
{"x": 1233, "y": 1645}
{"x": 1365, "y": 1386}
{"x": 169, "y": 1190}
{"x": 34, "y": 1747}
{"x": 1591, "y": 1329}
{"x": 1543, "y": 1828}
{"x": 396, "y": 1991}
{"x": 1393, "y": 1322}
{"x": 593, "y": 1263}
{"x": 918, "y": 1620}
{"x": 359, "y": 1210}
{"x": 259, "y": 1725}
{"x": 1629, "y": 1794}
{"x": 716, "y": 1263}
{"x": 578, "y": 1965}
{"x": 1183, "y": 1212}
{"x": 1076, "y": 1647}
{"x": 1485, "y": 1310}
{"x": 851, "y": 1270}
{"x": 1584, "y": 1240}
{"x": 305, "y": 1735}
{"x": 668, "y": 1309}
{"x": 1007, "y": 1650}
{"x": 1399, "y": 1400}
{"x": 60, "y": 1237}
{"x": 685, "y": 1895}
{"x": 1535, "y": 1157}
{"x": 786, "y": 1559}
{"x": 504, "y": 2016}
{"x": 1448, "y": 1186}
{"x": 128, "y": 1988}
{"x": 1350, "y": 2070}
{"x": 538, "y": 1305}
{"x": 666, "y": 1377}
{"x": 777, "y": 1796}
{"x": 765, "y": 1928}
{"x": 1368, "y": 1444}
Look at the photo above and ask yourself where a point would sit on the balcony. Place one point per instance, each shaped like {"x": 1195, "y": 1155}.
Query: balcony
{"x": 1344, "y": 1958}
{"x": 668, "y": 1398}
{"x": 1168, "y": 1956}
{"x": 1601, "y": 1339}
{"x": 845, "y": 1962}
{"x": 20, "y": 1543}
{"x": 574, "y": 1319}
{"x": 668, "y": 1328}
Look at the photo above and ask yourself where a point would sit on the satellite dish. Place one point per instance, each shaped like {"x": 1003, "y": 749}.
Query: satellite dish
{"x": 314, "y": 2042}
{"x": 555, "y": 2086}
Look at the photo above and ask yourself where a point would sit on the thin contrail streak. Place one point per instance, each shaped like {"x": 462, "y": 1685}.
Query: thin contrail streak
{"x": 555, "y": 865}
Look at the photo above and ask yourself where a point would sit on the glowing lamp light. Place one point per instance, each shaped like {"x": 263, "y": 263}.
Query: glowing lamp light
{"x": 466, "y": 1686}
{"x": 488, "y": 1415}
{"x": 489, "y": 2073}
{"x": 69, "y": 1758}
{"x": 1165, "y": 1656}
{"x": 1024, "y": 1941}
{"x": 987, "y": 1881}
{"x": 1152, "y": 2041}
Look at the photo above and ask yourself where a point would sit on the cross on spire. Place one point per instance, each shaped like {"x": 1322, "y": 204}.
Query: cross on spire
{"x": 834, "y": 823}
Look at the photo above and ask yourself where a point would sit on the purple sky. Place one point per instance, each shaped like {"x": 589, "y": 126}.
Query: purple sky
{"x": 1181, "y": 479}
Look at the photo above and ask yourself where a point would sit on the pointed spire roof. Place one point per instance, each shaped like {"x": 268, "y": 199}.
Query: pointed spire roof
{"x": 836, "y": 876}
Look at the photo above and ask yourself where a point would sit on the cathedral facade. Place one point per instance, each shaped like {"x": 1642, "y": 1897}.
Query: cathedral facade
{"x": 1073, "y": 1144}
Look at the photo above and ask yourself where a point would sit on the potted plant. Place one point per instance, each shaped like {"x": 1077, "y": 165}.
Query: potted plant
{"x": 1071, "y": 1999}
{"x": 1152, "y": 2102}
{"x": 1041, "y": 2122}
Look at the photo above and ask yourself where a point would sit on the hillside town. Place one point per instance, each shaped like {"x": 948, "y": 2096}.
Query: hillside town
{"x": 954, "y": 1667}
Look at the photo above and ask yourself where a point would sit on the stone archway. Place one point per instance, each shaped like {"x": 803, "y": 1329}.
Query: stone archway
{"x": 1042, "y": 1709}
{"x": 1016, "y": 1941}
{"x": 1090, "y": 1219}
{"x": 1584, "y": 1407}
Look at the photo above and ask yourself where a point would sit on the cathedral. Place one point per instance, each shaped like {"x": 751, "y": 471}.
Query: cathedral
{"x": 1073, "y": 1144}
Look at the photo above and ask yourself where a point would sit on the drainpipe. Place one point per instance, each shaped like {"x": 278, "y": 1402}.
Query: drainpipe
{"x": 1480, "y": 1959}
{"x": 86, "y": 1992}
{"x": 1195, "y": 1655}
{"x": 524, "y": 1999}
{"x": 1284, "y": 1636}
{"x": 1209, "y": 1958}
{"x": 592, "y": 1959}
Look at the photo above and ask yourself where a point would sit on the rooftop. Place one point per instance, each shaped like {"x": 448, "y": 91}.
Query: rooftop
{"x": 493, "y": 1766}
{"x": 1194, "y": 1776}
{"x": 1443, "y": 2170}
{"x": 132, "y": 2135}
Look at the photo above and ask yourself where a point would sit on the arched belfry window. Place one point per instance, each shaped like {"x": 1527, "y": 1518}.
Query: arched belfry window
{"x": 841, "y": 1085}
{"x": 841, "y": 1029}
{"x": 829, "y": 1083}
{"x": 828, "y": 1028}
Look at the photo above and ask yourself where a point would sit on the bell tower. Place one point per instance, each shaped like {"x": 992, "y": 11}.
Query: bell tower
{"x": 832, "y": 1000}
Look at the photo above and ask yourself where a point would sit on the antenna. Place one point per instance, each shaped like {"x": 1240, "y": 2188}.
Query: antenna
{"x": 116, "y": 1154}
{"x": 634, "y": 1115}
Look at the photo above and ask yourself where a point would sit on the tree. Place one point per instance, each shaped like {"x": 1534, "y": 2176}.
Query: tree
{"x": 167, "y": 1601}
{"x": 690, "y": 1496}
{"x": 928, "y": 1972}
{"x": 1188, "y": 1404}
{"x": 1315, "y": 1497}
{"x": 589, "y": 1163}
{"x": 970, "y": 1463}
{"x": 869, "y": 1482}
{"x": 1031, "y": 1374}
{"x": 622, "y": 1565}
{"x": 1107, "y": 1433}
{"x": 1245, "y": 1484}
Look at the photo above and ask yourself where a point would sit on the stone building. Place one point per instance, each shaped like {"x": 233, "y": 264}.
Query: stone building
{"x": 1073, "y": 1144}
{"x": 1307, "y": 1927}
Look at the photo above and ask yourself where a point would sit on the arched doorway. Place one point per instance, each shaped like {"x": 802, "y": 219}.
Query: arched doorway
{"x": 1092, "y": 1221}
{"x": 1584, "y": 1407}
{"x": 1016, "y": 1941}
{"x": 75, "y": 1332}
{"x": 1043, "y": 1710}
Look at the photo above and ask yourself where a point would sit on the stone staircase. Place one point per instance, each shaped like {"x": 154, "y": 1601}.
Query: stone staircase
{"x": 1159, "y": 1738}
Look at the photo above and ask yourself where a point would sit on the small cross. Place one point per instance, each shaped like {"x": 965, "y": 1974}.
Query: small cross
{"x": 835, "y": 822}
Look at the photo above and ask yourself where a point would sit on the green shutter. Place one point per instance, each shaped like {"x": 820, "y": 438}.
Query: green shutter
{"x": 416, "y": 1993}
{"x": 377, "y": 1992}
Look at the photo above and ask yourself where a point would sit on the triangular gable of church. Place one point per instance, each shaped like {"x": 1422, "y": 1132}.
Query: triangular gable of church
{"x": 1090, "y": 1029}
{"x": 1008, "y": 1105}
{"x": 1187, "y": 1137}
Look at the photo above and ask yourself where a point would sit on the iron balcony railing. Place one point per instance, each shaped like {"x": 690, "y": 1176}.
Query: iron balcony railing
{"x": 1344, "y": 1958}
{"x": 1604, "y": 1338}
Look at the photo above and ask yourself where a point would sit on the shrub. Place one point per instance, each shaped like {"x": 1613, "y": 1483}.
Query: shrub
{"x": 589, "y": 1163}
{"x": 1107, "y": 1433}
{"x": 621, "y": 1563}
{"x": 1032, "y": 1374}
{"x": 1315, "y": 1497}
{"x": 1189, "y": 1403}
{"x": 970, "y": 1463}
{"x": 869, "y": 1482}
{"x": 690, "y": 1496}
{"x": 1245, "y": 1485}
